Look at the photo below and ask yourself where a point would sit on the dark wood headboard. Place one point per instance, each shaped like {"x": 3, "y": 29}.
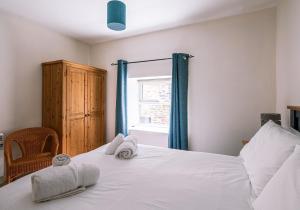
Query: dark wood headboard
{"x": 295, "y": 117}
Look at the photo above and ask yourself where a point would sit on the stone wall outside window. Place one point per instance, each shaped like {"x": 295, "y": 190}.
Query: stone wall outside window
{"x": 154, "y": 101}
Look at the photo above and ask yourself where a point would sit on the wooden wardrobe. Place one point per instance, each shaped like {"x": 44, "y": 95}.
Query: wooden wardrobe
{"x": 74, "y": 105}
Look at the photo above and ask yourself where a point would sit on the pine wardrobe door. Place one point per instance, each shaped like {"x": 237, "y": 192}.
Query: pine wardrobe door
{"x": 76, "y": 122}
{"x": 95, "y": 97}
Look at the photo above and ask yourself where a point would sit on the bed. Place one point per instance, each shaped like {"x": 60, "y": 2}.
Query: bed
{"x": 158, "y": 178}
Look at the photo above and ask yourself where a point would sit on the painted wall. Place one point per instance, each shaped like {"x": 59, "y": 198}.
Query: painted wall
{"x": 288, "y": 52}
{"x": 24, "y": 46}
{"x": 231, "y": 78}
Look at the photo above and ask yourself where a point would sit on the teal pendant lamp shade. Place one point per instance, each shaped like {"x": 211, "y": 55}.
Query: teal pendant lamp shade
{"x": 116, "y": 15}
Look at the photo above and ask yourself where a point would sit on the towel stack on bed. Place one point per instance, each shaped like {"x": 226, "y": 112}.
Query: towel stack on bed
{"x": 61, "y": 160}
{"x": 123, "y": 147}
{"x": 65, "y": 179}
{"x": 58, "y": 182}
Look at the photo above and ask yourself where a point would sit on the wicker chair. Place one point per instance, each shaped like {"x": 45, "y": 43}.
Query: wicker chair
{"x": 38, "y": 146}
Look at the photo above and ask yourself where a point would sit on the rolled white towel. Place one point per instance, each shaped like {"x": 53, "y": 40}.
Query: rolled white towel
{"x": 58, "y": 182}
{"x": 89, "y": 176}
{"x": 116, "y": 142}
{"x": 61, "y": 160}
{"x": 128, "y": 149}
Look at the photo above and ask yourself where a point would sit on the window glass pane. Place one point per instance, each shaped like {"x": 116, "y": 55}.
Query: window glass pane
{"x": 155, "y": 114}
{"x": 149, "y": 91}
{"x": 154, "y": 103}
{"x": 155, "y": 90}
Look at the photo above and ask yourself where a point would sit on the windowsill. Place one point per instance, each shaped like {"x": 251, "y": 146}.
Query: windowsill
{"x": 149, "y": 129}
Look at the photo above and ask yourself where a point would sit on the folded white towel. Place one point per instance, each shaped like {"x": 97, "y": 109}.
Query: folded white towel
{"x": 88, "y": 175}
{"x": 61, "y": 160}
{"x": 112, "y": 147}
{"x": 128, "y": 149}
{"x": 58, "y": 182}
{"x": 63, "y": 195}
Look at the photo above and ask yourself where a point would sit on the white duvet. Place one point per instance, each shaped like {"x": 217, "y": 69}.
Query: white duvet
{"x": 157, "y": 178}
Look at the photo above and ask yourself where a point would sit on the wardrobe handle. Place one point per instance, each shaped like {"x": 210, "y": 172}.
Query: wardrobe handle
{"x": 87, "y": 115}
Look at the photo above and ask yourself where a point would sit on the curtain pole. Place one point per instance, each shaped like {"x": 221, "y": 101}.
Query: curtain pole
{"x": 144, "y": 61}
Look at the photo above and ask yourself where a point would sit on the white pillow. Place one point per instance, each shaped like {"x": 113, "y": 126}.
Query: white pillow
{"x": 266, "y": 152}
{"x": 283, "y": 190}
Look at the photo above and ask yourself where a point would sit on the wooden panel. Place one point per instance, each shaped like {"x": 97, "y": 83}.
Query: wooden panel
{"x": 94, "y": 94}
{"x": 75, "y": 92}
{"x": 75, "y": 138}
{"x": 64, "y": 110}
{"x": 95, "y": 110}
{"x": 94, "y": 132}
{"x": 52, "y": 99}
{"x": 75, "y": 142}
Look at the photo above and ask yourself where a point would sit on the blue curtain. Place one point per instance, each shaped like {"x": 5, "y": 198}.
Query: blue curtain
{"x": 121, "y": 102}
{"x": 178, "y": 134}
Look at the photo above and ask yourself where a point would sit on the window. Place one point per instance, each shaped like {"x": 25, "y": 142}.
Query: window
{"x": 153, "y": 98}
{"x": 154, "y": 102}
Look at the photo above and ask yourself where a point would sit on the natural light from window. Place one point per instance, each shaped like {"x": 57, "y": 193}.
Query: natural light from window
{"x": 149, "y": 103}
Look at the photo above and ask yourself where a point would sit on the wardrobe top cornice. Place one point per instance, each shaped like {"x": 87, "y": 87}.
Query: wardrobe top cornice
{"x": 74, "y": 64}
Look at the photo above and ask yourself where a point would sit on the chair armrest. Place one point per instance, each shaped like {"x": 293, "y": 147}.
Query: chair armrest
{"x": 54, "y": 145}
{"x": 7, "y": 153}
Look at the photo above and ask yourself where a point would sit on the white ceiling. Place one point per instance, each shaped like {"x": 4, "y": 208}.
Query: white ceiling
{"x": 85, "y": 20}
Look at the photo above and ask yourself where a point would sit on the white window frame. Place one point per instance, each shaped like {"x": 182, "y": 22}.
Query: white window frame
{"x": 149, "y": 127}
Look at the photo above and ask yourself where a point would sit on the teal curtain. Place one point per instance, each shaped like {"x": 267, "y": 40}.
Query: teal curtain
{"x": 121, "y": 102}
{"x": 178, "y": 134}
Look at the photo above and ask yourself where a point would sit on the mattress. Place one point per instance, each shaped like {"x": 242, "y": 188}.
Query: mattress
{"x": 158, "y": 178}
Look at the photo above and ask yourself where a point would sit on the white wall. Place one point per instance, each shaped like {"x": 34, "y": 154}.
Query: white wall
{"x": 232, "y": 77}
{"x": 24, "y": 46}
{"x": 288, "y": 56}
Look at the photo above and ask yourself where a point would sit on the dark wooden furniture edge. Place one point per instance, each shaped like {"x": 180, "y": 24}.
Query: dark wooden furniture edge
{"x": 294, "y": 117}
{"x": 294, "y": 108}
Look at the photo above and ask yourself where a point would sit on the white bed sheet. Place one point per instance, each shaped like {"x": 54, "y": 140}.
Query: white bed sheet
{"x": 158, "y": 178}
